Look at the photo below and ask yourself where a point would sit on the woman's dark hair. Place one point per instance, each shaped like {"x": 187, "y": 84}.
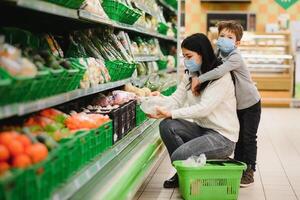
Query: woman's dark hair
{"x": 200, "y": 44}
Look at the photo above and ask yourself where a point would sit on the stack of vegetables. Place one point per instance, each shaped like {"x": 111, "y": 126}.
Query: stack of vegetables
{"x": 28, "y": 171}
{"x": 105, "y": 45}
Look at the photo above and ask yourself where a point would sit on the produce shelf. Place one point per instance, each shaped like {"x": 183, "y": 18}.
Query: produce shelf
{"x": 46, "y": 7}
{"x": 82, "y": 17}
{"x": 97, "y": 167}
{"x": 142, "y": 58}
{"x": 168, "y": 6}
{"x": 26, "y": 108}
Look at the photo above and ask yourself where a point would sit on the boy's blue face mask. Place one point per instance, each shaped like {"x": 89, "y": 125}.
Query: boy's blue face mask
{"x": 191, "y": 65}
{"x": 225, "y": 45}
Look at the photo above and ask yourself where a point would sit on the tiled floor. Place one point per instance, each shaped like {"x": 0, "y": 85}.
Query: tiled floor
{"x": 278, "y": 173}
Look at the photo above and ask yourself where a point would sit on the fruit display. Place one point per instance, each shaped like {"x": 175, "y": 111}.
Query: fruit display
{"x": 17, "y": 150}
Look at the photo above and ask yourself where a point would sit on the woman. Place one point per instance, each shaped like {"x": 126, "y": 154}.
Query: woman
{"x": 215, "y": 127}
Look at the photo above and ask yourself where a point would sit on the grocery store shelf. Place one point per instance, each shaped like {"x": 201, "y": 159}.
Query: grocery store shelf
{"x": 26, "y": 108}
{"x": 98, "y": 19}
{"x": 168, "y": 6}
{"x": 267, "y": 56}
{"x": 95, "y": 168}
{"x": 83, "y": 17}
{"x": 145, "y": 58}
{"x": 50, "y": 8}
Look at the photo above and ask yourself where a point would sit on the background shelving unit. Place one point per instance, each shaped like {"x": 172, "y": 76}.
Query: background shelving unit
{"x": 138, "y": 150}
{"x": 269, "y": 59}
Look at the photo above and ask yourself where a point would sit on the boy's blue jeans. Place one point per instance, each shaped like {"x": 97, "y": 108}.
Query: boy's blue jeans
{"x": 184, "y": 139}
{"x": 246, "y": 147}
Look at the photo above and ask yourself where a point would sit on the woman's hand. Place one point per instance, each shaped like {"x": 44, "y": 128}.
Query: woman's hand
{"x": 155, "y": 93}
{"x": 161, "y": 113}
{"x": 195, "y": 83}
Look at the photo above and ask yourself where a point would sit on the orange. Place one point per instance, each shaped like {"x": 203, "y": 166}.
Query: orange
{"x": 37, "y": 152}
{"x": 15, "y": 148}
{"x": 24, "y": 140}
{"x": 4, "y": 153}
{"x": 7, "y": 137}
{"x": 4, "y": 166}
{"x": 21, "y": 161}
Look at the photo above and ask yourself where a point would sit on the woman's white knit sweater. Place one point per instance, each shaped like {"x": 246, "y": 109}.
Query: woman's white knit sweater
{"x": 215, "y": 108}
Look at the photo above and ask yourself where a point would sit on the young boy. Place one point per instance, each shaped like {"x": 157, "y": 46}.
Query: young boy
{"x": 248, "y": 98}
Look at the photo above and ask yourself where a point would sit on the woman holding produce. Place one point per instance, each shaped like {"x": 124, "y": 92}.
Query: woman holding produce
{"x": 215, "y": 127}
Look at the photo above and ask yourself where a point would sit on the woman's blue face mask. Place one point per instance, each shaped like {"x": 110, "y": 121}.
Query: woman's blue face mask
{"x": 225, "y": 45}
{"x": 192, "y": 65}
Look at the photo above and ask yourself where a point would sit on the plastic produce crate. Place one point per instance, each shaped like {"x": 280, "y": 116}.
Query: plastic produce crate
{"x": 124, "y": 120}
{"x": 18, "y": 90}
{"x": 120, "y": 12}
{"x": 5, "y": 85}
{"x": 67, "y": 81}
{"x": 162, "y": 64}
{"x": 119, "y": 70}
{"x": 71, "y": 146}
{"x": 217, "y": 180}
{"x": 162, "y": 28}
{"x": 169, "y": 91}
{"x": 39, "y": 85}
{"x": 55, "y": 80}
{"x": 78, "y": 77}
{"x": 140, "y": 116}
{"x": 12, "y": 186}
{"x": 74, "y": 4}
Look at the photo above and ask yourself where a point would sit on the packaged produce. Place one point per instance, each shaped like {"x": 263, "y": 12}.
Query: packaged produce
{"x": 85, "y": 121}
{"x": 150, "y": 104}
{"x": 120, "y": 97}
{"x": 12, "y": 61}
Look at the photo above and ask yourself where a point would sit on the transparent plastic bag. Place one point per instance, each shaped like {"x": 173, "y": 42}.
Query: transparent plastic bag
{"x": 195, "y": 161}
{"x": 149, "y": 104}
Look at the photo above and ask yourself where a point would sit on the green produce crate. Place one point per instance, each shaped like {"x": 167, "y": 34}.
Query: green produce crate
{"x": 57, "y": 164}
{"x": 140, "y": 116}
{"x": 162, "y": 64}
{"x": 162, "y": 28}
{"x": 74, "y": 4}
{"x": 114, "y": 69}
{"x": 172, "y": 3}
{"x": 12, "y": 185}
{"x": 38, "y": 180}
{"x": 55, "y": 81}
{"x": 119, "y": 70}
{"x": 169, "y": 91}
{"x": 120, "y": 12}
{"x": 19, "y": 89}
{"x": 79, "y": 76}
{"x": 39, "y": 85}
{"x": 218, "y": 180}
{"x": 5, "y": 86}
{"x": 71, "y": 146}
{"x": 67, "y": 81}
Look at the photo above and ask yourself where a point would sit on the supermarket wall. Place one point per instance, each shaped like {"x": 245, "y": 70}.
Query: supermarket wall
{"x": 266, "y": 11}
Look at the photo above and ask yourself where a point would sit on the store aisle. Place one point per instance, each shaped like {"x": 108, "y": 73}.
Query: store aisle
{"x": 278, "y": 174}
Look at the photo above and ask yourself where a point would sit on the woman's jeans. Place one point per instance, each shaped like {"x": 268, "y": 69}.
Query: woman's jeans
{"x": 184, "y": 139}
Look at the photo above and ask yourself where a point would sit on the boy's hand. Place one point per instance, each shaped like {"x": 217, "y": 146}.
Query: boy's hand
{"x": 195, "y": 86}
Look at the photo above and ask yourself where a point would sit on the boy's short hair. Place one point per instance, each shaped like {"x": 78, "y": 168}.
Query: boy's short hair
{"x": 232, "y": 26}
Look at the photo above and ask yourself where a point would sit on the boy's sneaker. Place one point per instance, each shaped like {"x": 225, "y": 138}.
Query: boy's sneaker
{"x": 247, "y": 178}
